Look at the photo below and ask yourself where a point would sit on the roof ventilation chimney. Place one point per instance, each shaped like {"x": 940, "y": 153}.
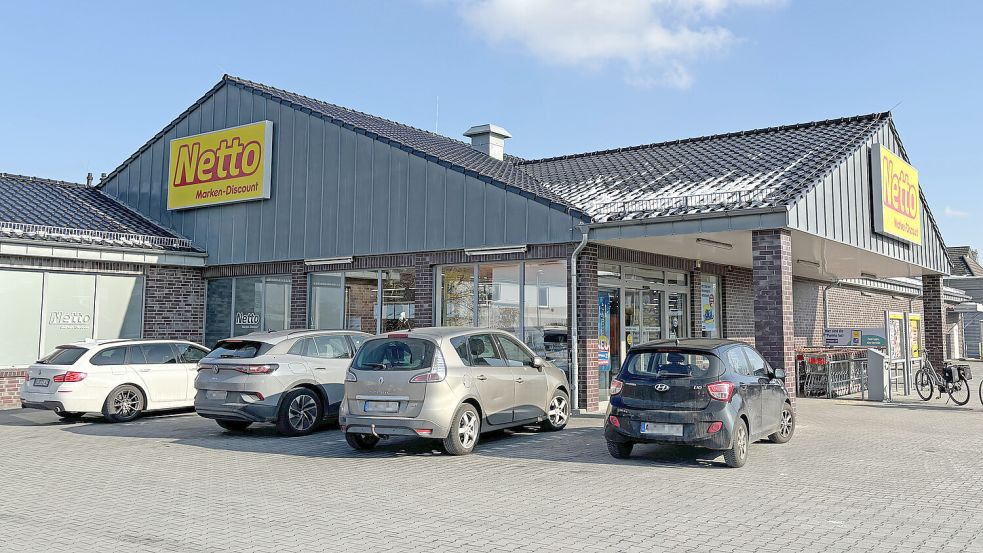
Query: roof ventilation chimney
{"x": 88, "y": 179}
{"x": 489, "y": 140}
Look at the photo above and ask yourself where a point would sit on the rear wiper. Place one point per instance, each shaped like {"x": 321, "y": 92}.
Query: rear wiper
{"x": 378, "y": 366}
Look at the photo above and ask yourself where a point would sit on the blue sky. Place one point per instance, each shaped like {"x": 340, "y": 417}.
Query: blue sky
{"x": 85, "y": 84}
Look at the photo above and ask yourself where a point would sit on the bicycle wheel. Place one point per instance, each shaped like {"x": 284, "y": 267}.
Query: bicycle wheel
{"x": 924, "y": 385}
{"x": 981, "y": 392}
{"x": 960, "y": 392}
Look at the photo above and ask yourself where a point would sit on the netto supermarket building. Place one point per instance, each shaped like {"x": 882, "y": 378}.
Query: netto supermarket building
{"x": 307, "y": 214}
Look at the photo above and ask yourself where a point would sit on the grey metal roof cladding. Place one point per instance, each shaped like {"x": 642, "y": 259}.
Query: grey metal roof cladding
{"x": 767, "y": 167}
{"x": 452, "y": 153}
{"x": 57, "y": 211}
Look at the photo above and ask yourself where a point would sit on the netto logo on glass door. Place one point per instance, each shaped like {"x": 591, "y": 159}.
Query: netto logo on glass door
{"x": 70, "y": 319}
{"x": 247, "y": 319}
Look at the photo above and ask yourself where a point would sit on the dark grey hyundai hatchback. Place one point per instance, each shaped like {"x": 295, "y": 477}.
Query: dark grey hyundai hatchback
{"x": 716, "y": 394}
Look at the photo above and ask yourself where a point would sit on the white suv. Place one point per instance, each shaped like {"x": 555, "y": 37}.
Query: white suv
{"x": 118, "y": 378}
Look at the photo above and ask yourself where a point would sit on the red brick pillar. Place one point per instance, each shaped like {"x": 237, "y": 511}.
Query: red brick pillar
{"x": 174, "y": 303}
{"x": 774, "y": 333}
{"x": 298, "y": 295}
{"x": 934, "y": 319}
{"x": 587, "y": 332}
{"x": 424, "y": 291}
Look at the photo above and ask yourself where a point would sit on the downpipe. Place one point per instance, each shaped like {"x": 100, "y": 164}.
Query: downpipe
{"x": 574, "y": 362}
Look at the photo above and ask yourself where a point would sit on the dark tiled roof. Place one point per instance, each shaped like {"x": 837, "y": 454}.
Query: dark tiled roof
{"x": 964, "y": 261}
{"x": 760, "y": 168}
{"x": 453, "y": 152}
{"x": 50, "y": 210}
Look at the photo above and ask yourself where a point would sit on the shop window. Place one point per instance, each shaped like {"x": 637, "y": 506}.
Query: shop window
{"x": 608, "y": 270}
{"x": 498, "y": 296}
{"x": 398, "y": 299}
{"x": 119, "y": 309}
{"x": 545, "y": 311}
{"x": 238, "y": 306}
{"x": 69, "y": 309}
{"x": 528, "y": 299}
{"x": 327, "y": 300}
{"x": 457, "y": 295}
{"x": 20, "y": 339}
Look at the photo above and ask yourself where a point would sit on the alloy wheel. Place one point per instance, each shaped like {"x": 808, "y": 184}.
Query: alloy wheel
{"x": 786, "y": 427}
{"x": 302, "y": 412}
{"x": 742, "y": 442}
{"x": 467, "y": 429}
{"x": 125, "y": 403}
{"x": 558, "y": 411}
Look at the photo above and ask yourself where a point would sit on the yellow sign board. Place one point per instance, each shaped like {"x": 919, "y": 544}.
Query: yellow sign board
{"x": 220, "y": 167}
{"x": 898, "y": 212}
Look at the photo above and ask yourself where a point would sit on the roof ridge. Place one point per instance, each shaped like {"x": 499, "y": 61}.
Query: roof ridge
{"x": 44, "y": 180}
{"x": 875, "y": 116}
{"x": 257, "y": 85}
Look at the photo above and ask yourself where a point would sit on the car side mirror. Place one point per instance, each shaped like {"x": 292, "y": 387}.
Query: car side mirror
{"x": 538, "y": 362}
{"x": 779, "y": 374}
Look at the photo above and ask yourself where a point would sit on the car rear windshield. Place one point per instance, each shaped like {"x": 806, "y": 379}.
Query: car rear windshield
{"x": 394, "y": 354}
{"x": 236, "y": 349}
{"x": 65, "y": 355}
{"x": 672, "y": 364}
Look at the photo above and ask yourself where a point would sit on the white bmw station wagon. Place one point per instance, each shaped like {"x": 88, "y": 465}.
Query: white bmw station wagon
{"x": 118, "y": 378}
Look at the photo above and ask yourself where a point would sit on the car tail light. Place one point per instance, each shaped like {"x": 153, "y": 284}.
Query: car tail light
{"x": 70, "y": 376}
{"x": 722, "y": 391}
{"x": 436, "y": 373}
{"x": 614, "y": 421}
{"x": 715, "y": 427}
{"x": 255, "y": 369}
{"x": 350, "y": 377}
{"x": 424, "y": 431}
{"x": 398, "y": 335}
{"x": 616, "y": 386}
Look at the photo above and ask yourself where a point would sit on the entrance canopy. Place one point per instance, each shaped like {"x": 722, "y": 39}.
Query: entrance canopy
{"x": 702, "y": 198}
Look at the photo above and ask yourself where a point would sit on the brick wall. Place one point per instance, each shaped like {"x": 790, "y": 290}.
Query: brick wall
{"x": 174, "y": 303}
{"x": 738, "y": 299}
{"x": 774, "y": 332}
{"x": 10, "y": 383}
{"x": 298, "y": 295}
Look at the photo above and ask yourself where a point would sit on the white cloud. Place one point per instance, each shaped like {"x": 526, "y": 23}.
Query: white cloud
{"x": 654, "y": 41}
{"x": 955, "y": 213}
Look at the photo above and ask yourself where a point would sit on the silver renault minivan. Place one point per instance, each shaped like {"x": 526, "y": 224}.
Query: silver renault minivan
{"x": 292, "y": 378}
{"x": 451, "y": 384}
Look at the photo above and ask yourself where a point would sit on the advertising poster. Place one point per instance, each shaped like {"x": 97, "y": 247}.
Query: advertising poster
{"x": 603, "y": 331}
{"x": 915, "y": 335}
{"x": 708, "y": 300}
{"x": 857, "y": 337}
{"x": 895, "y": 336}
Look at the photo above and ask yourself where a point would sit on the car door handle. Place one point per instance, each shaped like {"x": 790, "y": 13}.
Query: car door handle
{"x": 481, "y": 377}
{"x": 144, "y": 370}
{"x": 519, "y": 380}
{"x": 320, "y": 368}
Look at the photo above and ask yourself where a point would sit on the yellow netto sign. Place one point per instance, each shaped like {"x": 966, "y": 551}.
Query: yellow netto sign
{"x": 898, "y": 211}
{"x": 220, "y": 167}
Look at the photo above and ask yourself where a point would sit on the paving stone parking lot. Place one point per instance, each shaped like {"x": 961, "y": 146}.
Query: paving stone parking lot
{"x": 856, "y": 477}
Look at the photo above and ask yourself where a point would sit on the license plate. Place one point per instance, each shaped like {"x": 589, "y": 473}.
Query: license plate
{"x": 381, "y": 406}
{"x": 41, "y": 382}
{"x": 216, "y": 394}
{"x": 662, "y": 429}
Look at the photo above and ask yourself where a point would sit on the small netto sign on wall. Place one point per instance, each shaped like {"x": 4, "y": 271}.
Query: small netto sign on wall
{"x": 220, "y": 167}
{"x": 897, "y": 199}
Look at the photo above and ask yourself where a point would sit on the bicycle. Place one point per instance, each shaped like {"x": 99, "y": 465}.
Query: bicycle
{"x": 952, "y": 381}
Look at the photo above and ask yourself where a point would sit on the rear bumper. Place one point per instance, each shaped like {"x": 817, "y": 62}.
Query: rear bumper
{"x": 695, "y": 425}
{"x": 237, "y": 411}
{"x": 55, "y": 406}
{"x": 392, "y": 426}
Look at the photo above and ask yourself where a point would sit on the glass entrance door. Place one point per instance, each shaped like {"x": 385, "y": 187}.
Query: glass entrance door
{"x": 643, "y": 316}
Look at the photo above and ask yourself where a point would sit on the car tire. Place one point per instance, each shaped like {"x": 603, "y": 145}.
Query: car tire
{"x": 786, "y": 427}
{"x": 233, "y": 426}
{"x": 361, "y": 442}
{"x": 464, "y": 432}
{"x": 70, "y": 415}
{"x": 557, "y": 412}
{"x": 620, "y": 450}
{"x": 736, "y": 456}
{"x": 124, "y": 404}
{"x": 300, "y": 412}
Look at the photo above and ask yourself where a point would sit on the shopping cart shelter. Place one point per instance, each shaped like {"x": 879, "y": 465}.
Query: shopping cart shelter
{"x": 294, "y": 212}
